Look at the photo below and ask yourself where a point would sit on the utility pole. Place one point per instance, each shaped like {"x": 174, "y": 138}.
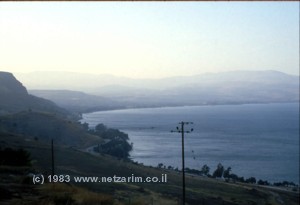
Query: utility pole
{"x": 181, "y": 130}
{"x": 52, "y": 157}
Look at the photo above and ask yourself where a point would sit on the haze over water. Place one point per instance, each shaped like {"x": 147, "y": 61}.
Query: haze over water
{"x": 259, "y": 140}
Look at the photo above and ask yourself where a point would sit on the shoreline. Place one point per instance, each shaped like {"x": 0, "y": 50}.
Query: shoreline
{"x": 177, "y": 106}
{"x": 250, "y": 104}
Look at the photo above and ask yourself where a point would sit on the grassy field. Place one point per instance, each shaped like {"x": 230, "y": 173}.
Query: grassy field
{"x": 73, "y": 162}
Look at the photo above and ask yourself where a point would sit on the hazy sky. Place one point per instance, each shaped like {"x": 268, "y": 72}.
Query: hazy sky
{"x": 149, "y": 39}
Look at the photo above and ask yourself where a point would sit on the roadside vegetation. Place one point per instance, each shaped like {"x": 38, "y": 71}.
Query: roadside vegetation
{"x": 226, "y": 175}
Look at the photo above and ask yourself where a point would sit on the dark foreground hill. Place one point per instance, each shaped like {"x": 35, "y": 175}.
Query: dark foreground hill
{"x": 46, "y": 126}
{"x": 16, "y": 183}
{"x": 15, "y": 98}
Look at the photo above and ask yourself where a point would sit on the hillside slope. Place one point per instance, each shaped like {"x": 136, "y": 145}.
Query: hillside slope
{"x": 46, "y": 126}
{"x": 76, "y": 101}
{"x": 15, "y": 98}
{"x": 69, "y": 161}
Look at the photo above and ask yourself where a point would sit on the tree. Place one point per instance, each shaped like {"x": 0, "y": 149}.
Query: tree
{"x": 117, "y": 144}
{"x": 205, "y": 170}
{"x": 160, "y": 165}
{"x": 100, "y": 128}
{"x": 219, "y": 171}
{"x": 251, "y": 180}
{"x": 234, "y": 177}
{"x": 170, "y": 167}
{"x": 261, "y": 182}
{"x": 85, "y": 126}
{"x": 117, "y": 147}
{"x": 241, "y": 179}
{"x": 226, "y": 173}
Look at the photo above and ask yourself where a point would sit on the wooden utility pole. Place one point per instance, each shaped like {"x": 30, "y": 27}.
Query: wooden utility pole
{"x": 181, "y": 130}
{"x": 52, "y": 157}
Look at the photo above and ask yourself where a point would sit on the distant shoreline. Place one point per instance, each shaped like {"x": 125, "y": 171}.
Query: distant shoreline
{"x": 215, "y": 121}
{"x": 176, "y": 106}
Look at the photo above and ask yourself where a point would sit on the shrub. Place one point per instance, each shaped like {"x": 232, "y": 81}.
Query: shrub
{"x": 12, "y": 157}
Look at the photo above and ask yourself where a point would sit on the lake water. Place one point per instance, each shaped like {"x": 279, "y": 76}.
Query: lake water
{"x": 260, "y": 140}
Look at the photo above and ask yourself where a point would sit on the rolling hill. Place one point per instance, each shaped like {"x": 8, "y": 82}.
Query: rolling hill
{"x": 76, "y": 101}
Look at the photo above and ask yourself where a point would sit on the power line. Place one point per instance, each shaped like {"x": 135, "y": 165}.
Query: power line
{"x": 182, "y": 131}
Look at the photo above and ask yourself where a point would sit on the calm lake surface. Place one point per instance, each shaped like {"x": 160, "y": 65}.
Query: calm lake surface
{"x": 260, "y": 140}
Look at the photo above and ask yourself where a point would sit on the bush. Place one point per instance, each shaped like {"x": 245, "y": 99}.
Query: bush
{"x": 11, "y": 157}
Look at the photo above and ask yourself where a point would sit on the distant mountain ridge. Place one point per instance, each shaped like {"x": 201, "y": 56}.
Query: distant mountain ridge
{"x": 235, "y": 87}
{"x": 15, "y": 98}
{"x": 91, "y": 83}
